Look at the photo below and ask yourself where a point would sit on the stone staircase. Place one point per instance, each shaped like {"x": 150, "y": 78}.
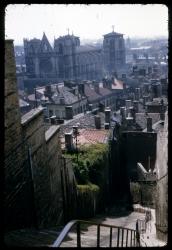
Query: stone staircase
{"x": 89, "y": 232}
{"x": 31, "y": 237}
{"x": 46, "y": 237}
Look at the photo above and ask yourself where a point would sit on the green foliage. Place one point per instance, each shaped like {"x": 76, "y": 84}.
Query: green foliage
{"x": 88, "y": 188}
{"x": 90, "y": 162}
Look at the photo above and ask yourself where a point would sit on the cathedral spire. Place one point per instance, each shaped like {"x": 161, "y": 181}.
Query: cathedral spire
{"x": 112, "y": 28}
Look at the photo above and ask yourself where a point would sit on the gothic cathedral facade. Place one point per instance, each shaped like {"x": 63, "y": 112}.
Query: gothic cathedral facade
{"x": 68, "y": 60}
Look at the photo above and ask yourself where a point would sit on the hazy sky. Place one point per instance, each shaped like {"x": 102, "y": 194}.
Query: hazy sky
{"x": 86, "y": 21}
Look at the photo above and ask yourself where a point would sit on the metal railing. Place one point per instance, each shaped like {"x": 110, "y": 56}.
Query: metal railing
{"x": 126, "y": 237}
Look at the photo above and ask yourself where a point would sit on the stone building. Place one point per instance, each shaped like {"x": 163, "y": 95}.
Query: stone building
{"x": 70, "y": 60}
{"x": 32, "y": 193}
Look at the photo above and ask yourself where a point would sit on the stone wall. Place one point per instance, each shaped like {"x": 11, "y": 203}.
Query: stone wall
{"x": 53, "y": 161}
{"x": 162, "y": 182}
{"x": 32, "y": 161}
{"x": 17, "y": 189}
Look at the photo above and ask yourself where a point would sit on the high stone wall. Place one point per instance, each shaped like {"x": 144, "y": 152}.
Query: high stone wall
{"x": 18, "y": 205}
{"x": 29, "y": 201}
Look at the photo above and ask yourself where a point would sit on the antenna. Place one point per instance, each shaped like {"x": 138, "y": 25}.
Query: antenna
{"x": 112, "y": 28}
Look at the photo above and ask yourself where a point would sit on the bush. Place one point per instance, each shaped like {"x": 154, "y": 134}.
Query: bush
{"x": 91, "y": 160}
{"x": 88, "y": 188}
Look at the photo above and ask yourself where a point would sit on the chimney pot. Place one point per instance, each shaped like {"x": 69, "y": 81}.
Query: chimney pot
{"x": 149, "y": 124}
{"x": 69, "y": 112}
{"x": 97, "y": 122}
{"x": 107, "y": 115}
{"x": 53, "y": 120}
{"x": 107, "y": 125}
{"x": 69, "y": 141}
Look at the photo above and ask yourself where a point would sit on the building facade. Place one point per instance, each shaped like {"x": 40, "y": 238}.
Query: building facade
{"x": 70, "y": 60}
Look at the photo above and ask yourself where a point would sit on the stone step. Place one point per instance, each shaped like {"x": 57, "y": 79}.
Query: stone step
{"x": 89, "y": 233}
{"x": 31, "y": 238}
{"x": 46, "y": 237}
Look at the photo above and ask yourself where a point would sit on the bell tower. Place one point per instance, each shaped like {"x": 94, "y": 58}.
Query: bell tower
{"x": 65, "y": 47}
{"x": 113, "y": 51}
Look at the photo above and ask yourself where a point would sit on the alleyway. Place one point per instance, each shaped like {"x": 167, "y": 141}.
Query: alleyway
{"x": 47, "y": 237}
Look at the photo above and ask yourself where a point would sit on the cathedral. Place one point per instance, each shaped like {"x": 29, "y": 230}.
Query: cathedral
{"x": 68, "y": 60}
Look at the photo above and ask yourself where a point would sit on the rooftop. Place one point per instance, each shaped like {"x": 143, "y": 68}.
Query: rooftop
{"x": 142, "y": 121}
{"x": 89, "y": 136}
{"x": 23, "y": 103}
{"x": 113, "y": 34}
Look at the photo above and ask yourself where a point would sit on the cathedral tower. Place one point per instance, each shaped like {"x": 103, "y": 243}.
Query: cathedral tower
{"x": 65, "y": 48}
{"x": 113, "y": 52}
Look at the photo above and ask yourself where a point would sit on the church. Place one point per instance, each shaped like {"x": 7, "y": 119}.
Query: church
{"x": 69, "y": 60}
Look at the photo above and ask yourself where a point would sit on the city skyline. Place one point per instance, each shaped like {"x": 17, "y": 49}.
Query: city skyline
{"x": 95, "y": 20}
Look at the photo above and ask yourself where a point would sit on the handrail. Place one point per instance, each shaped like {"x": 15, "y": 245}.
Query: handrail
{"x": 63, "y": 233}
{"x": 70, "y": 224}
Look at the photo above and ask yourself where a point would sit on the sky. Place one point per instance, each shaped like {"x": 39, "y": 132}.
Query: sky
{"x": 86, "y": 21}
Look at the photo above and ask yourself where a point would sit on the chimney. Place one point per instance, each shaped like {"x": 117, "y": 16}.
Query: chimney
{"x": 81, "y": 88}
{"x": 123, "y": 113}
{"x": 149, "y": 124}
{"x": 104, "y": 83}
{"x": 136, "y": 106}
{"x": 129, "y": 121}
{"x": 62, "y": 100}
{"x": 75, "y": 130}
{"x": 107, "y": 115}
{"x": 132, "y": 113}
{"x": 106, "y": 125}
{"x": 69, "y": 141}
{"x": 53, "y": 120}
{"x": 96, "y": 87}
{"x": 128, "y": 103}
{"x": 69, "y": 112}
{"x": 97, "y": 121}
{"x": 90, "y": 107}
{"x": 48, "y": 92}
{"x": 101, "y": 107}
{"x": 145, "y": 99}
{"x": 137, "y": 94}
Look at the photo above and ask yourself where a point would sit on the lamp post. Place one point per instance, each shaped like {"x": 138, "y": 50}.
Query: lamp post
{"x": 75, "y": 134}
